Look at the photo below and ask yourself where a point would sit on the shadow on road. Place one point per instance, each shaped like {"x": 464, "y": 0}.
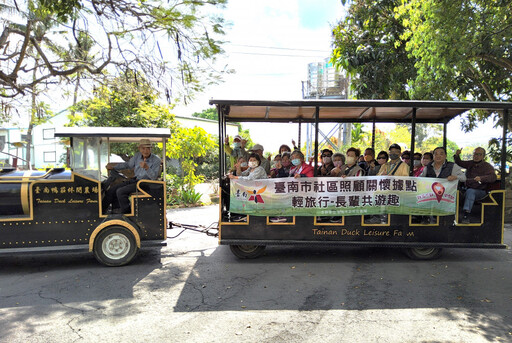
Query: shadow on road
{"x": 463, "y": 283}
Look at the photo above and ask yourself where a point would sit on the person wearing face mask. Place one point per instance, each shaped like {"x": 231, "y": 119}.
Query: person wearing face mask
{"x": 394, "y": 166}
{"x": 416, "y": 164}
{"x": 382, "y": 158}
{"x": 258, "y": 149}
{"x": 351, "y": 168}
{"x": 479, "y": 174}
{"x": 426, "y": 158}
{"x": 286, "y": 148}
{"x": 274, "y": 167}
{"x": 406, "y": 157}
{"x": 369, "y": 163}
{"x": 282, "y": 170}
{"x": 327, "y": 164}
{"x": 338, "y": 159}
{"x": 300, "y": 168}
{"x": 237, "y": 151}
{"x": 282, "y": 167}
{"x": 242, "y": 162}
{"x": 254, "y": 172}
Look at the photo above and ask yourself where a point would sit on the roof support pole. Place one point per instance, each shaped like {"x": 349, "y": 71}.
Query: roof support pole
{"x": 164, "y": 157}
{"x": 300, "y": 130}
{"x": 413, "y": 141}
{"x": 504, "y": 147}
{"x": 222, "y": 158}
{"x": 373, "y": 133}
{"x": 445, "y": 129}
{"x": 317, "y": 115}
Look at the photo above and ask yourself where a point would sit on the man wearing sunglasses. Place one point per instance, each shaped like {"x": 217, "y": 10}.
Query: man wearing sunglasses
{"x": 479, "y": 174}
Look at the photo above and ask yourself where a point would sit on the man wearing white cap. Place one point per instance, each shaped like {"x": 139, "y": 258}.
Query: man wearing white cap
{"x": 146, "y": 166}
{"x": 238, "y": 149}
{"x": 258, "y": 149}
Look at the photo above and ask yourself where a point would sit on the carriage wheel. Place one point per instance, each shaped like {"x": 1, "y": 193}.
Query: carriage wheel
{"x": 247, "y": 251}
{"x": 423, "y": 253}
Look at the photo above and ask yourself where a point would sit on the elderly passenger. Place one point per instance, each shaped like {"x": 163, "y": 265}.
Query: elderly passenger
{"x": 237, "y": 151}
{"x": 441, "y": 168}
{"x": 351, "y": 168}
{"x": 254, "y": 172}
{"x": 300, "y": 168}
{"x": 479, "y": 174}
{"x": 264, "y": 163}
{"x": 327, "y": 163}
{"x": 395, "y": 166}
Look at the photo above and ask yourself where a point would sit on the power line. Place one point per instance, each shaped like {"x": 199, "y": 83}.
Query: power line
{"x": 277, "y": 55}
{"x": 277, "y": 48}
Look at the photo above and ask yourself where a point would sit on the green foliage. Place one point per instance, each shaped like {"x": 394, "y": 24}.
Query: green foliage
{"x": 171, "y": 42}
{"x": 460, "y": 47}
{"x": 185, "y": 145}
{"x": 365, "y": 44}
{"x": 190, "y": 197}
{"x": 208, "y": 165}
{"x": 125, "y": 101}
{"x": 210, "y": 113}
{"x": 359, "y": 137}
{"x": 62, "y": 9}
{"x": 178, "y": 194}
{"x": 429, "y": 50}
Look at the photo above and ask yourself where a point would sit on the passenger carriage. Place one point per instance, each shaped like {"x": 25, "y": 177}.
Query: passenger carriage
{"x": 248, "y": 238}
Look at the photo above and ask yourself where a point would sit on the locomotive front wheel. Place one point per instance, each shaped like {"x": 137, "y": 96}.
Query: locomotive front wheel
{"x": 423, "y": 253}
{"x": 115, "y": 246}
{"x": 247, "y": 251}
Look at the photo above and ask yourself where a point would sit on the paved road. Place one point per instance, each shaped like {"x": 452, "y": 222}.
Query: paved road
{"x": 197, "y": 291}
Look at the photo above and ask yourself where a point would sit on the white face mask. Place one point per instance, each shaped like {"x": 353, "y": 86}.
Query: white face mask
{"x": 338, "y": 164}
{"x": 326, "y": 160}
{"x": 243, "y": 164}
{"x": 351, "y": 160}
{"x": 253, "y": 164}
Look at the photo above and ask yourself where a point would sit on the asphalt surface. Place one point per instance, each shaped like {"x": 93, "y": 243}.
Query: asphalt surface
{"x": 196, "y": 291}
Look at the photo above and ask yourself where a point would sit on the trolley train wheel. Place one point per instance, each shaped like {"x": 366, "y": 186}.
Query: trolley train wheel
{"x": 115, "y": 246}
{"x": 423, "y": 253}
{"x": 247, "y": 251}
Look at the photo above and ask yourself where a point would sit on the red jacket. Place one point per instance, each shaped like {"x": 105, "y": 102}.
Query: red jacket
{"x": 304, "y": 169}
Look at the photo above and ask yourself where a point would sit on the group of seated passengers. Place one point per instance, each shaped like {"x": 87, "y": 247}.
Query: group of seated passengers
{"x": 252, "y": 165}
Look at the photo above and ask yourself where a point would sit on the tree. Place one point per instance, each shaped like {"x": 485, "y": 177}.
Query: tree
{"x": 187, "y": 144}
{"x": 429, "y": 50}
{"x": 459, "y": 46}
{"x": 127, "y": 34}
{"x": 365, "y": 44}
{"x": 126, "y": 101}
{"x": 130, "y": 101}
{"x": 210, "y": 113}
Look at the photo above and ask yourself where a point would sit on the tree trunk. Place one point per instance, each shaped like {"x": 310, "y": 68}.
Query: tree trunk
{"x": 33, "y": 111}
{"x": 75, "y": 93}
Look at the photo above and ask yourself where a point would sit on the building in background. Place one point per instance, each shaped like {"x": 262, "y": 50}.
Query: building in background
{"x": 48, "y": 151}
{"x": 326, "y": 82}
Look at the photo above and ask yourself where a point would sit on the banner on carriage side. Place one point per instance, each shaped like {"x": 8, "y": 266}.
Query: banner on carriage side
{"x": 331, "y": 196}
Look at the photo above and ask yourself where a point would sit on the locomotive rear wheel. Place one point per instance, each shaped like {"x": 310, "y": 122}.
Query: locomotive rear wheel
{"x": 247, "y": 251}
{"x": 115, "y": 246}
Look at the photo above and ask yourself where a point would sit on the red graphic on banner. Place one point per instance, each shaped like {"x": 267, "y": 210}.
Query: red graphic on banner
{"x": 256, "y": 197}
{"x": 438, "y": 190}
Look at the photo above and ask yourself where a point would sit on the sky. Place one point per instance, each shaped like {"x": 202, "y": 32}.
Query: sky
{"x": 270, "y": 44}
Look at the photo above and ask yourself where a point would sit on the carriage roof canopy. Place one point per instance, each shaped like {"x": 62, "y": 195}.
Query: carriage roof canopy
{"x": 115, "y": 134}
{"x": 349, "y": 110}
